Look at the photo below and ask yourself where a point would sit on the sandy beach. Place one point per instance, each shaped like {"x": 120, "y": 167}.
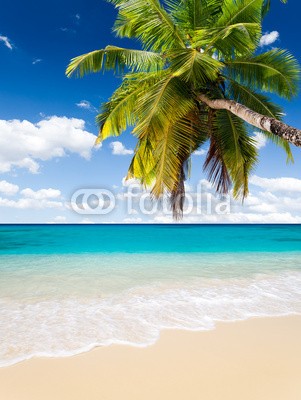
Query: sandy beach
{"x": 254, "y": 359}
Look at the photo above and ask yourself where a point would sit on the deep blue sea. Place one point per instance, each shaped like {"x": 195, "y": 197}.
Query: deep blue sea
{"x": 65, "y": 289}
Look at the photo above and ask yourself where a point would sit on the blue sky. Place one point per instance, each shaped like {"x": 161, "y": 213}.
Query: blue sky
{"x": 48, "y": 121}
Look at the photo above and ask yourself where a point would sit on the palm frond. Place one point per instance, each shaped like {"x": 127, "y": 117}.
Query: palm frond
{"x": 238, "y": 29}
{"x": 214, "y": 164}
{"x": 168, "y": 161}
{"x": 186, "y": 13}
{"x": 240, "y": 11}
{"x": 116, "y": 59}
{"x": 193, "y": 14}
{"x": 239, "y": 38}
{"x": 177, "y": 195}
{"x": 168, "y": 100}
{"x": 216, "y": 168}
{"x": 120, "y": 111}
{"x": 194, "y": 66}
{"x": 173, "y": 148}
{"x": 278, "y": 141}
{"x": 263, "y": 105}
{"x": 143, "y": 164}
{"x": 149, "y": 22}
{"x": 233, "y": 154}
{"x": 160, "y": 161}
{"x": 275, "y": 71}
{"x": 253, "y": 100}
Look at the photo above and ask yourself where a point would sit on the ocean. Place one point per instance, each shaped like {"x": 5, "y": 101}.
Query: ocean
{"x": 65, "y": 289}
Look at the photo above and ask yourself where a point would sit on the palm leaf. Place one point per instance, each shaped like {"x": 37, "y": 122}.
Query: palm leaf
{"x": 278, "y": 141}
{"x": 168, "y": 100}
{"x": 263, "y": 105}
{"x": 240, "y": 24}
{"x": 148, "y": 21}
{"x": 114, "y": 58}
{"x": 143, "y": 164}
{"x": 216, "y": 168}
{"x": 233, "y": 154}
{"x": 239, "y": 38}
{"x": 275, "y": 71}
{"x": 253, "y": 100}
{"x": 194, "y": 14}
{"x": 179, "y": 139}
{"x": 120, "y": 111}
{"x": 233, "y": 12}
{"x": 194, "y": 67}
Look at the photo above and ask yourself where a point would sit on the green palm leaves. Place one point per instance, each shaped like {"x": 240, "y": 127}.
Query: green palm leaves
{"x": 190, "y": 47}
{"x": 275, "y": 71}
{"x": 149, "y": 22}
{"x": 194, "y": 67}
{"x": 114, "y": 58}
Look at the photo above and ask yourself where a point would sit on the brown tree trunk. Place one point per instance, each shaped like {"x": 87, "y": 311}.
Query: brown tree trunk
{"x": 260, "y": 121}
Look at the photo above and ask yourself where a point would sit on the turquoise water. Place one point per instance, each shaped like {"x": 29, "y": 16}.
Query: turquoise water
{"x": 62, "y": 239}
{"x": 66, "y": 289}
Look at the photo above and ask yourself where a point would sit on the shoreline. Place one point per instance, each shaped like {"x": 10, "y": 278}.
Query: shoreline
{"x": 258, "y": 358}
{"x": 122, "y": 344}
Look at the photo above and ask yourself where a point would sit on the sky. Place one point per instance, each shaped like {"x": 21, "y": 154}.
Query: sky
{"x": 48, "y": 165}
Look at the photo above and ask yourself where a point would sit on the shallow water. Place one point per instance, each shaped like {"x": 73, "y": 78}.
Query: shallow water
{"x": 67, "y": 289}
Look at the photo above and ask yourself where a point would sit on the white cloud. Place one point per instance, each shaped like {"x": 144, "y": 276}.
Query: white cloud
{"x": 85, "y": 104}
{"x": 279, "y": 202}
{"x": 27, "y": 163}
{"x": 86, "y": 221}
{"x": 272, "y": 200}
{"x": 77, "y": 17}
{"x": 6, "y": 42}
{"x": 23, "y": 144}
{"x": 119, "y": 149}
{"x": 129, "y": 182}
{"x": 36, "y": 61}
{"x": 132, "y": 220}
{"x": 269, "y": 38}
{"x": 30, "y": 199}
{"x": 260, "y": 140}
{"x": 8, "y": 188}
{"x": 30, "y": 203}
{"x": 277, "y": 184}
{"x": 200, "y": 152}
{"x": 60, "y": 219}
{"x": 165, "y": 219}
{"x": 68, "y": 30}
{"x": 41, "y": 194}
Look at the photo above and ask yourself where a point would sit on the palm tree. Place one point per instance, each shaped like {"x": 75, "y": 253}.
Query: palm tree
{"x": 198, "y": 79}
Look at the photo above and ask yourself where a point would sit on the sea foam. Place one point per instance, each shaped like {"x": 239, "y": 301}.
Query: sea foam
{"x": 59, "y": 306}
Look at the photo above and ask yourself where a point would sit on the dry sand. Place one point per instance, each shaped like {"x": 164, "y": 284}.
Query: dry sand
{"x": 258, "y": 359}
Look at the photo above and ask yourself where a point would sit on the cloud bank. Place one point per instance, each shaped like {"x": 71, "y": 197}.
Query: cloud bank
{"x": 24, "y": 144}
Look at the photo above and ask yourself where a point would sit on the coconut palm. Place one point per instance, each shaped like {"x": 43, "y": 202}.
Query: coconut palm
{"x": 198, "y": 80}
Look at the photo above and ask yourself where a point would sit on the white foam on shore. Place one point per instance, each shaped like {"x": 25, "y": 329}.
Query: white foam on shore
{"x": 65, "y": 324}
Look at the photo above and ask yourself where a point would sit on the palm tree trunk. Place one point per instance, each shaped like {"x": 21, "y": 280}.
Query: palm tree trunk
{"x": 260, "y": 121}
